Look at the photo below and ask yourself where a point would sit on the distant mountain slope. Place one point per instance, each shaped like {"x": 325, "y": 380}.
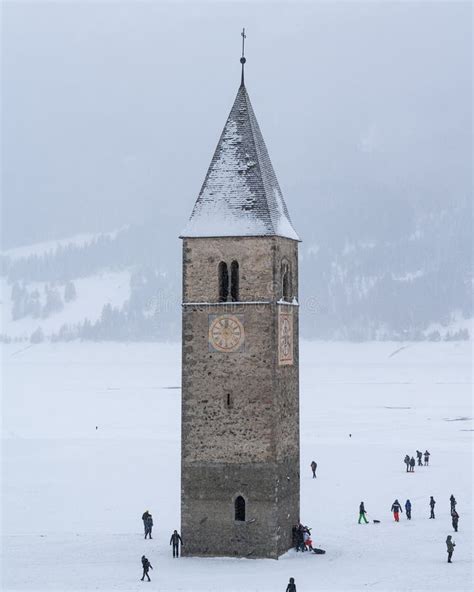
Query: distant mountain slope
{"x": 394, "y": 273}
{"x": 91, "y": 295}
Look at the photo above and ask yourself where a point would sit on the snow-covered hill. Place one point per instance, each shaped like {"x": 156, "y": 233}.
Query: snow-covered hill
{"x": 92, "y": 294}
{"x": 86, "y": 287}
{"x": 403, "y": 287}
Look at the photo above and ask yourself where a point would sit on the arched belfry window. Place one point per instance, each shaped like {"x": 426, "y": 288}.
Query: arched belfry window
{"x": 234, "y": 281}
{"x": 239, "y": 507}
{"x": 223, "y": 273}
{"x": 285, "y": 281}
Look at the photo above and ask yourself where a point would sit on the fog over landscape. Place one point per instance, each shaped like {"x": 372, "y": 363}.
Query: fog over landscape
{"x": 259, "y": 400}
{"x": 111, "y": 113}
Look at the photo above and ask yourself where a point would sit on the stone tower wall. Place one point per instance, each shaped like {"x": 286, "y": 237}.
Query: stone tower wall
{"x": 250, "y": 448}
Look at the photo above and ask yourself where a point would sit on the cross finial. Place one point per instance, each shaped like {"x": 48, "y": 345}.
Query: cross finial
{"x": 242, "y": 59}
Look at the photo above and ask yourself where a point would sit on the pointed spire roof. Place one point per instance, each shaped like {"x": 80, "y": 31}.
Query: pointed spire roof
{"x": 240, "y": 195}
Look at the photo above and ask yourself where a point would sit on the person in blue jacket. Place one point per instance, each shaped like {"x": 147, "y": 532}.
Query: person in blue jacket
{"x": 408, "y": 509}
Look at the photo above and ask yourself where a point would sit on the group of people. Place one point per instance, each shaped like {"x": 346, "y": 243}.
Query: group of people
{"x": 302, "y": 538}
{"x": 410, "y": 461}
{"x": 302, "y": 534}
{"x": 175, "y": 541}
{"x": 147, "y": 523}
{"x": 397, "y": 510}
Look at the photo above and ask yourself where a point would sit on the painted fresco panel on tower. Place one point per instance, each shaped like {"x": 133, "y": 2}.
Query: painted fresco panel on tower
{"x": 285, "y": 337}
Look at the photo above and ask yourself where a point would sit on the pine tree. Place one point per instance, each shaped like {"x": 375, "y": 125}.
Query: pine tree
{"x": 70, "y": 291}
{"x": 37, "y": 336}
{"x": 54, "y": 301}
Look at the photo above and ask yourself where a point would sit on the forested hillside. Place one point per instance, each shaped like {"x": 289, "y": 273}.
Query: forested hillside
{"x": 385, "y": 273}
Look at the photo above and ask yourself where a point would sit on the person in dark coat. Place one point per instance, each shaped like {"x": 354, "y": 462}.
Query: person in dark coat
{"x": 362, "y": 513}
{"x": 299, "y": 537}
{"x": 432, "y": 505}
{"x": 412, "y": 465}
{"x": 396, "y": 509}
{"x": 148, "y": 526}
{"x": 450, "y": 544}
{"x": 291, "y": 585}
{"x": 313, "y": 468}
{"x": 455, "y": 519}
{"x": 146, "y": 567}
{"x": 427, "y": 458}
{"x": 175, "y": 540}
{"x": 406, "y": 460}
{"x": 408, "y": 509}
{"x": 453, "y": 501}
{"x": 144, "y": 518}
{"x": 419, "y": 456}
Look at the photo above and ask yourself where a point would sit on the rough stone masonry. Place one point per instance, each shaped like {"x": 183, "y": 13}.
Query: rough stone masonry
{"x": 240, "y": 361}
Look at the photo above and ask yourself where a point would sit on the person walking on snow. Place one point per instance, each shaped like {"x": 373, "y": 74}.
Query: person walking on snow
{"x": 432, "y": 505}
{"x": 427, "y": 458}
{"x": 455, "y": 519}
{"x": 450, "y": 544}
{"x": 407, "y": 462}
{"x": 314, "y": 466}
{"x": 396, "y": 508}
{"x": 362, "y": 513}
{"x": 419, "y": 456}
{"x": 175, "y": 540}
{"x": 408, "y": 509}
{"x": 412, "y": 465}
{"x": 146, "y": 567}
{"x": 453, "y": 501}
{"x": 291, "y": 585}
{"x": 148, "y": 526}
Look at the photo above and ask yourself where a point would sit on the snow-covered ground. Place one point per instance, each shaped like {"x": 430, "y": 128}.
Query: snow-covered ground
{"x": 91, "y": 436}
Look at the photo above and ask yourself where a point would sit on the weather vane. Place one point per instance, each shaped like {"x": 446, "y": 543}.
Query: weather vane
{"x": 242, "y": 59}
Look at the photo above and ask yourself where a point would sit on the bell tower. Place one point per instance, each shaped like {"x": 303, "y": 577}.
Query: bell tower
{"x": 240, "y": 359}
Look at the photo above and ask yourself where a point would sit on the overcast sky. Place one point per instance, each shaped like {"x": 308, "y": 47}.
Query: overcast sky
{"x": 111, "y": 110}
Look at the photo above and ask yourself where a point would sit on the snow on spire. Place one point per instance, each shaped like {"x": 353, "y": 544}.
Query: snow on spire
{"x": 240, "y": 195}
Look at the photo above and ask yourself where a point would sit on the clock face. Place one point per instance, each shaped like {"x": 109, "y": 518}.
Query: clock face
{"x": 226, "y": 333}
{"x": 285, "y": 338}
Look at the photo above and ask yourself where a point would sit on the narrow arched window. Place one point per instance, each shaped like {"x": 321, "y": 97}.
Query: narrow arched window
{"x": 239, "y": 506}
{"x": 234, "y": 281}
{"x": 285, "y": 281}
{"x": 223, "y": 282}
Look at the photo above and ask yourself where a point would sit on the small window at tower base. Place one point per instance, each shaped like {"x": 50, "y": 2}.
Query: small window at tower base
{"x": 239, "y": 507}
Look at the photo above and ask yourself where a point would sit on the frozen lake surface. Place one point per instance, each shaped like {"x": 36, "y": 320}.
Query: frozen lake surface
{"x": 91, "y": 439}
